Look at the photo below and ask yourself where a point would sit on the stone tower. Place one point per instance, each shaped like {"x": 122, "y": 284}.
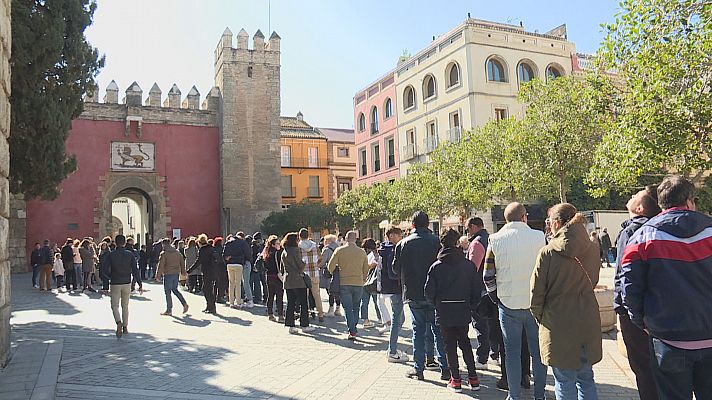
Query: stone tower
{"x": 249, "y": 82}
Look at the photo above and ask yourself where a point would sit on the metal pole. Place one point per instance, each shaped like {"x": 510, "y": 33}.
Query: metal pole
{"x": 269, "y": 17}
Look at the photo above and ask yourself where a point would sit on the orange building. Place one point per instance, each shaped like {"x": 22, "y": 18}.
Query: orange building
{"x": 303, "y": 162}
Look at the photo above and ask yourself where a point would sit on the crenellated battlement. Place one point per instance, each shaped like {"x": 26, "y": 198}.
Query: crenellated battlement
{"x": 134, "y": 97}
{"x": 262, "y": 51}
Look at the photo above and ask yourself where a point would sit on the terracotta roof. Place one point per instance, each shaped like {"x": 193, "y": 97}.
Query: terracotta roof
{"x": 291, "y": 127}
{"x": 339, "y": 135}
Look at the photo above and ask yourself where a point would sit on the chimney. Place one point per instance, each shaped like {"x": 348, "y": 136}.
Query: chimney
{"x": 173, "y": 100}
{"x": 112, "y": 93}
{"x": 92, "y": 93}
{"x": 134, "y": 95}
{"x": 192, "y": 100}
{"x": 154, "y": 96}
{"x": 300, "y": 116}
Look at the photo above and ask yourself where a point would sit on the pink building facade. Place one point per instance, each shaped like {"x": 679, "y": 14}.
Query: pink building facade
{"x": 375, "y": 125}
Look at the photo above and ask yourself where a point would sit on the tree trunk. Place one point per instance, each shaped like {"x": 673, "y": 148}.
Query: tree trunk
{"x": 562, "y": 188}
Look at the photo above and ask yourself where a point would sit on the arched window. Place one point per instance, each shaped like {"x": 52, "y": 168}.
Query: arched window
{"x": 361, "y": 122}
{"x": 553, "y": 72}
{"x": 495, "y": 71}
{"x": 408, "y": 97}
{"x": 388, "y": 107}
{"x": 453, "y": 75}
{"x": 428, "y": 87}
{"x": 374, "y": 119}
{"x": 525, "y": 72}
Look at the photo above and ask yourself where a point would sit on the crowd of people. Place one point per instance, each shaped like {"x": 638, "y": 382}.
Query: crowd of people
{"x": 528, "y": 294}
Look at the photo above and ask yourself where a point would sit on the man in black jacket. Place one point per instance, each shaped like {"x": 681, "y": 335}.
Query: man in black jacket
{"x": 70, "y": 275}
{"x": 122, "y": 266}
{"x": 413, "y": 257}
{"x": 237, "y": 253}
{"x": 35, "y": 263}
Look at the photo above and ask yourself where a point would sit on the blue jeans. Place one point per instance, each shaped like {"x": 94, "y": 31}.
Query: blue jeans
{"x": 365, "y": 299}
{"x": 351, "y": 299}
{"x": 423, "y": 316}
{"x": 679, "y": 372}
{"x": 513, "y": 322}
{"x": 246, "y": 274}
{"x": 572, "y": 384}
{"x": 80, "y": 274}
{"x": 170, "y": 285}
{"x": 35, "y": 273}
{"x": 396, "y": 321}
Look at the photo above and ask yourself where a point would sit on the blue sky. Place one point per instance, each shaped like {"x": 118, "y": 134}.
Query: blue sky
{"x": 330, "y": 48}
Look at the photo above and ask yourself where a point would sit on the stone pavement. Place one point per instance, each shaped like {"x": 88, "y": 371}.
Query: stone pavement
{"x": 64, "y": 345}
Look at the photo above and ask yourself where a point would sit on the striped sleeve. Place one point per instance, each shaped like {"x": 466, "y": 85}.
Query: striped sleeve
{"x": 490, "y": 272}
{"x": 634, "y": 272}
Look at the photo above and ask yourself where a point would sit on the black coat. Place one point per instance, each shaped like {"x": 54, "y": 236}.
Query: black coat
{"x": 120, "y": 266}
{"x": 453, "y": 287}
{"x": 67, "y": 256}
{"x": 205, "y": 261}
{"x": 413, "y": 257}
{"x": 237, "y": 251}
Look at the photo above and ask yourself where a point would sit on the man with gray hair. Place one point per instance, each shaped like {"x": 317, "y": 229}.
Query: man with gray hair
{"x": 509, "y": 263}
{"x": 353, "y": 267}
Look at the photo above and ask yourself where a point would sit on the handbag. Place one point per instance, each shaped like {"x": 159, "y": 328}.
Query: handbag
{"x": 307, "y": 280}
{"x": 372, "y": 280}
{"x": 335, "y": 284}
{"x": 324, "y": 279}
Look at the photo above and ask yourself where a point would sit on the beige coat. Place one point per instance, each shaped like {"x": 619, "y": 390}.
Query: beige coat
{"x": 563, "y": 301}
{"x": 353, "y": 264}
{"x": 170, "y": 262}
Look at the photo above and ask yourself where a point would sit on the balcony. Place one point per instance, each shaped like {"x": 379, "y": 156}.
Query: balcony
{"x": 409, "y": 151}
{"x": 374, "y": 128}
{"x": 454, "y": 135}
{"x": 431, "y": 143}
{"x": 316, "y": 192}
{"x": 304, "y": 162}
{"x": 289, "y": 192}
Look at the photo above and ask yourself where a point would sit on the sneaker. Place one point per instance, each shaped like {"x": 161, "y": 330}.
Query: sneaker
{"x": 481, "y": 367}
{"x": 455, "y": 385}
{"x": 308, "y": 329}
{"x": 368, "y": 324}
{"x": 384, "y": 329}
{"x": 352, "y": 336}
{"x": 399, "y": 357}
{"x": 432, "y": 365}
{"x": 474, "y": 382}
{"x": 249, "y": 304}
{"x": 379, "y": 323}
{"x": 235, "y": 306}
{"x": 293, "y": 330}
{"x": 415, "y": 374}
{"x": 337, "y": 312}
{"x": 167, "y": 313}
{"x": 272, "y": 318}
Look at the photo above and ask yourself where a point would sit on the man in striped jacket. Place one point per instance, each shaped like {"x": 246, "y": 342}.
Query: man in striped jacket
{"x": 667, "y": 290}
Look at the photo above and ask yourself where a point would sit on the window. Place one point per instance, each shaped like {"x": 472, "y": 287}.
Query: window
{"x": 287, "y": 188}
{"x": 342, "y": 185}
{"x": 362, "y": 161}
{"x": 314, "y": 189}
{"x": 525, "y": 72}
{"x": 409, "y": 148}
{"x": 249, "y": 71}
{"x": 453, "y": 75}
{"x": 431, "y": 137}
{"x": 500, "y": 114}
{"x": 454, "y": 132}
{"x": 495, "y": 71}
{"x": 455, "y": 119}
{"x": 313, "y": 157}
{"x": 409, "y": 97}
{"x": 376, "y": 157}
{"x": 361, "y": 122}
{"x": 429, "y": 87}
{"x": 391, "y": 146}
{"x": 553, "y": 72}
{"x": 343, "y": 152}
{"x": 374, "y": 120}
{"x": 388, "y": 108}
{"x": 286, "y": 156}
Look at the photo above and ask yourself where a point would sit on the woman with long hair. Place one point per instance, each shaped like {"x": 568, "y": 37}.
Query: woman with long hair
{"x": 195, "y": 280}
{"x": 293, "y": 268}
{"x": 87, "y": 256}
{"x": 374, "y": 260}
{"x": 275, "y": 290}
{"x": 206, "y": 264}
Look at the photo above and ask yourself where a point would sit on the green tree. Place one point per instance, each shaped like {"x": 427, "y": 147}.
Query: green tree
{"x": 565, "y": 119}
{"x": 306, "y": 214}
{"x": 662, "y": 52}
{"x": 52, "y": 65}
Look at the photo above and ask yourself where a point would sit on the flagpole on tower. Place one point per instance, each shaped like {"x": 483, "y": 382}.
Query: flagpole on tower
{"x": 269, "y": 16}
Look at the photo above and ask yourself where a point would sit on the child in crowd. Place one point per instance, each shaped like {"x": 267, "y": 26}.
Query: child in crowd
{"x": 58, "y": 270}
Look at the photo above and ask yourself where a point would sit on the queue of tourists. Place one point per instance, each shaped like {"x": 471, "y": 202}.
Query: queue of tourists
{"x": 528, "y": 294}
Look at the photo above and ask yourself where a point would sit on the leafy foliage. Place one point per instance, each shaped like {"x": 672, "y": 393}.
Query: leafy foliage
{"x": 52, "y": 67}
{"x": 662, "y": 51}
{"x": 306, "y": 214}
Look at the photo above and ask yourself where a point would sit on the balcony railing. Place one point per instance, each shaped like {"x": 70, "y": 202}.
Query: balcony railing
{"x": 409, "y": 151}
{"x": 454, "y": 135}
{"x": 304, "y": 162}
{"x": 374, "y": 127}
{"x": 431, "y": 143}
{"x": 316, "y": 192}
{"x": 289, "y": 191}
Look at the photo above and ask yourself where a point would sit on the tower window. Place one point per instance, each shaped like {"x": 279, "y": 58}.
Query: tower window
{"x": 249, "y": 71}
